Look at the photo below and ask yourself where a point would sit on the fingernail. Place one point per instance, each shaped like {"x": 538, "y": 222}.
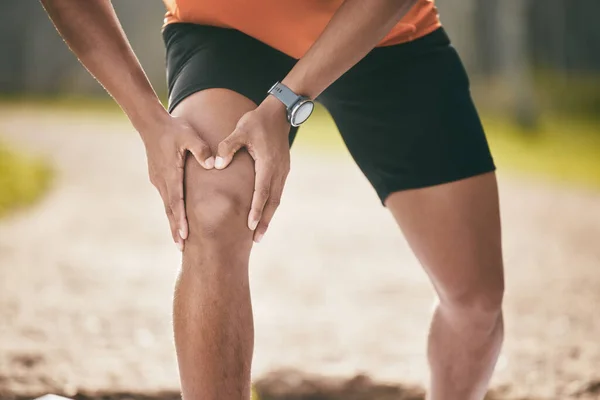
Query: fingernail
{"x": 219, "y": 162}
{"x": 209, "y": 163}
{"x": 259, "y": 237}
{"x": 180, "y": 246}
{"x": 181, "y": 234}
{"x": 252, "y": 225}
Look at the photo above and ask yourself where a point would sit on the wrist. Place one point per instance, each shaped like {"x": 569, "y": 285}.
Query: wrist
{"x": 297, "y": 82}
{"x": 149, "y": 118}
{"x": 298, "y": 107}
{"x": 272, "y": 106}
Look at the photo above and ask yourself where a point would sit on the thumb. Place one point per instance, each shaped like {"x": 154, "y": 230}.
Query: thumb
{"x": 201, "y": 152}
{"x": 228, "y": 147}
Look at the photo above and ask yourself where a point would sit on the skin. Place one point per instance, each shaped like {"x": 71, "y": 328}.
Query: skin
{"x": 454, "y": 229}
{"x": 212, "y": 313}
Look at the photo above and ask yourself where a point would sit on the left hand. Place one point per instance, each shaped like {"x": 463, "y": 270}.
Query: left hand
{"x": 264, "y": 132}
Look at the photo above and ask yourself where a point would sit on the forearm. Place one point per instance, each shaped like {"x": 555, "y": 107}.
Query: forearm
{"x": 93, "y": 32}
{"x": 355, "y": 29}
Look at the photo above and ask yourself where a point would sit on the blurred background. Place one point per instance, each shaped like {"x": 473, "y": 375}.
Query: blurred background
{"x": 85, "y": 282}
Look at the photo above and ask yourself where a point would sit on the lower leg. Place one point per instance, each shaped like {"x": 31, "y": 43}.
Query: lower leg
{"x": 463, "y": 347}
{"x": 212, "y": 314}
{"x": 212, "y": 317}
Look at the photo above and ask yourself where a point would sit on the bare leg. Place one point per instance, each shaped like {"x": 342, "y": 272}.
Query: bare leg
{"x": 454, "y": 230}
{"x": 212, "y": 312}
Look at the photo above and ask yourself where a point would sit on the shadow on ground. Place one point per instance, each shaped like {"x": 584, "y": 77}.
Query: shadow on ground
{"x": 294, "y": 385}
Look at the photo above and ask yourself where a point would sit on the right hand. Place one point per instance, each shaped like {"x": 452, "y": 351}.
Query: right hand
{"x": 166, "y": 150}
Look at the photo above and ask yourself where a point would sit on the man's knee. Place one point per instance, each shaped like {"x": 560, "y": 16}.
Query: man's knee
{"x": 218, "y": 202}
{"x": 219, "y": 242}
{"x": 478, "y": 304}
{"x": 218, "y": 215}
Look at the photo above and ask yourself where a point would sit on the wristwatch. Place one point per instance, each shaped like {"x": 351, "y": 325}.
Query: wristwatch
{"x": 298, "y": 107}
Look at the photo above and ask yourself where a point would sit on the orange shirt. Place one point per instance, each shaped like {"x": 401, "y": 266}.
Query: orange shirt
{"x": 291, "y": 26}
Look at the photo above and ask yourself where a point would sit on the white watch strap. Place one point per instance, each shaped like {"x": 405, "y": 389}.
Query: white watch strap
{"x": 284, "y": 94}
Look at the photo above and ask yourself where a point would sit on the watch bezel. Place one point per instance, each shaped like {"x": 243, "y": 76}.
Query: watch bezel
{"x": 296, "y": 107}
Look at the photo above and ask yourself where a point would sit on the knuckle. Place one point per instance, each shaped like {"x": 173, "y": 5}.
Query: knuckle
{"x": 223, "y": 147}
{"x": 263, "y": 192}
{"x": 174, "y": 203}
{"x": 189, "y": 132}
{"x": 176, "y": 195}
{"x": 274, "y": 201}
{"x": 243, "y": 125}
{"x": 202, "y": 147}
{"x": 152, "y": 175}
{"x": 256, "y": 211}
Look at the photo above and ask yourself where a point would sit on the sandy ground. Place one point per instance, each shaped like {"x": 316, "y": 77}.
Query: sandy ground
{"x": 86, "y": 277}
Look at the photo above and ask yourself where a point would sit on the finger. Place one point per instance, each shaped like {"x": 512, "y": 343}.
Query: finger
{"x": 176, "y": 202}
{"x": 262, "y": 191}
{"x": 171, "y": 217}
{"x": 228, "y": 147}
{"x": 201, "y": 152}
{"x": 270, "y": 207}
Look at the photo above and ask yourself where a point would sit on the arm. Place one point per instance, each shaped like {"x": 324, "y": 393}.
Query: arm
{"x": 355, "y": 29}
{"x": 93, "y": 32}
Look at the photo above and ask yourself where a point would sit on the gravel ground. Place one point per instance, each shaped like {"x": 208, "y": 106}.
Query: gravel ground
{"x": 87, "y": 275}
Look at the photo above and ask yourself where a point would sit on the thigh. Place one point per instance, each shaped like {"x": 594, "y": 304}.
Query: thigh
{"x": 454, "y": 230}
{"x": 200, "y": 57}
{"x": 405, "y": 113}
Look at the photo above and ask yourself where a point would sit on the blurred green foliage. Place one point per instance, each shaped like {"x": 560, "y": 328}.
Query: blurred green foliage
{"x": 23, "y": 179}
{"x": 563, "y": 149}
{"x": 67, "y": 103}
{"x": 569, "y": 94}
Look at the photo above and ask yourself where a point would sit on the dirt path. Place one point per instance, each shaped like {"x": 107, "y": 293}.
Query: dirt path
{"x": 86, "y": 276}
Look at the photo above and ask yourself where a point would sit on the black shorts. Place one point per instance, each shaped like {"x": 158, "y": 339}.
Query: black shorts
{"x": 405, "y": 111}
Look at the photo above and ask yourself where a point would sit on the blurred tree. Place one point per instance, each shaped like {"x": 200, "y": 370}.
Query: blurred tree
{"x": 458, "y": 17}
{"x": 12, "y": 76}
{"x": 514, "y": 60}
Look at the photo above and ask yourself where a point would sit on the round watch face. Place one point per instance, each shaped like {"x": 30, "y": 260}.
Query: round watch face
{"x": 301, "y": 112}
